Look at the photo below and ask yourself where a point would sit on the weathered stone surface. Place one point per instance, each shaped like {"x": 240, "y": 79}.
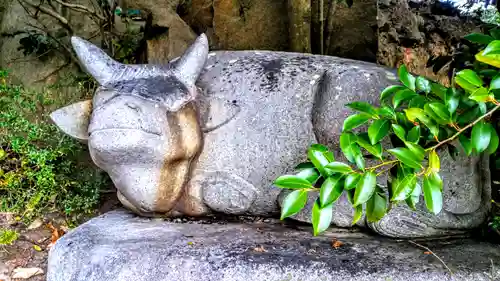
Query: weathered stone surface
{"x": 118, "y": 246}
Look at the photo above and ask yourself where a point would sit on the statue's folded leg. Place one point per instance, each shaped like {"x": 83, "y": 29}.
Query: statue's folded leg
{"x": 457, "y": 215}
{"x": 225, "y": 192}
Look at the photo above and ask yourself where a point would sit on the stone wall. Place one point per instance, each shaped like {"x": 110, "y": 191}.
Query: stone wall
{"x": 389, "y": 32}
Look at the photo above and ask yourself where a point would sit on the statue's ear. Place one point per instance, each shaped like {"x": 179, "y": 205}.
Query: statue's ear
{"x": 73, "y": 119}
{"x": 216, "y": 112}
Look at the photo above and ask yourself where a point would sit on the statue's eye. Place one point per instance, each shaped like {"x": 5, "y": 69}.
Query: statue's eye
{"x": 133, "y": 106}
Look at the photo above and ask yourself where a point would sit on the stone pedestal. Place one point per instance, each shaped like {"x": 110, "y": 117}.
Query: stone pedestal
{"x": 121, "y": 246}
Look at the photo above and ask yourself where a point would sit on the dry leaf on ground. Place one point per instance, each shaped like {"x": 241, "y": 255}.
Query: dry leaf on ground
{"x": 26, "y": 272}
{"x": 56, "y": 234}
{"x": 259, "y": 249}
{"x": 336, "y": 243}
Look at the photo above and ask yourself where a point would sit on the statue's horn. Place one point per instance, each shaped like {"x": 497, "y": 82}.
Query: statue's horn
{"x": 189, "y": 66}
{"x": 105, "y": 69}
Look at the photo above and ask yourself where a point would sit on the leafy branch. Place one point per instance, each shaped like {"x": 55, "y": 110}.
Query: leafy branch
{"x": 414, "y": 115}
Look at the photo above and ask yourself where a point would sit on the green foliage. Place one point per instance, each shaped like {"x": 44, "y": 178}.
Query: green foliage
{"x": 39, "y": 169}
{"x": 7, "y": 236}
{"x": 419, "y": 117}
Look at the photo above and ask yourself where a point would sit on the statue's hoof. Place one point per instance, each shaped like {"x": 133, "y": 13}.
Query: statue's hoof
{"x": 226, "y": 193}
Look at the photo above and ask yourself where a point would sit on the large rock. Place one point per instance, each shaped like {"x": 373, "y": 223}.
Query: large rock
{"x": 411, "y": 32}
{"x": 119, "y": 246}
{"x": 167, "y": 45}
{"x": 251, "y": 24}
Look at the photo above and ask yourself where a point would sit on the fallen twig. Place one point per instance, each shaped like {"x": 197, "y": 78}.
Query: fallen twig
{"x": 432, "y": 253}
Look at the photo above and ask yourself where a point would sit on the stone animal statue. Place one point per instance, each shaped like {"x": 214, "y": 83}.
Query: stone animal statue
{"x": 210, "y": 132}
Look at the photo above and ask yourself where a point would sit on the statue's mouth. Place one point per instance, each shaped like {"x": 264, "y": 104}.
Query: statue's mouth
{"x": 128, "y": 130}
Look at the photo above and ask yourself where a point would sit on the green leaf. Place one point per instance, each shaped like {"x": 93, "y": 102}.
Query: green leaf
{"x": 441, "y": 111}
{"x": 468, "y": 78}
{"x": 358, "y": 213}
{"x": 363, "y": 107}
{"x": 495, "y": 83}
{"x": 402, "y": 187}
{"x": 481, "y": 136}
{"x": 365, "y": 188}
{"x": 399, "y": 131}
{"x": 495, "y": 33}
{"x": 320, "y": 156}
{"x": 479, "y": 38}
{"x": 378, "y": 130}
{"x": 355, "y": 121}
{"x": 309, "y": 174}
{"x": 418, "y": 101}
{"x": 433, "y": 186}
{"x": 414, "y": 198}
{"x": 406, "y": 78}
{"x": 469, "y": 116}
{"x": 293, "y": 203}
{"x": 376, "y": 150}
{"x": 492, "y": 147}
{"x": 331, "y": 190}
{"x": 438, "y": 90}
{"x": 321, "y": 217}
{"x": 339, "y": 167}
{"x": 406, "y": 156}
{"x": 401, "y": 96}
{"x": 493, "y": 48}
{"x": 389, "y": 91}
{"x": 434, "y": 163}
{"x": 423, "y": 84}
{"x": 480, "y": 95}
{"x": 304, "y": 165}
{"x": 466, "y": 144}
{"x": 358, "y": 157}
{"x": 387, "y": 112}
{"x": 417, "y": 150}
{"x": 376, "y": 207}
{"x": 351, "y": 181}
{"x": 452, "y": 100}
{"x": 292, "y": 182}
{"x": 414, "y": 134}
{"x": 347, "y": 140}
{"x": 416, "y": 113}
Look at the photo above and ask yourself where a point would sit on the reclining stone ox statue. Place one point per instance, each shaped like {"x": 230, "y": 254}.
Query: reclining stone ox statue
{"x": 210, "y": 132}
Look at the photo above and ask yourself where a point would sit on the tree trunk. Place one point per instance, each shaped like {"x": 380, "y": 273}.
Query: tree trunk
{"x": 299, "y": 15}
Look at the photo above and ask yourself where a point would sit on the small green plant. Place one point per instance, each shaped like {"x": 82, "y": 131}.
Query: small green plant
{"x": 418, "y": 117}
{"x": 7, "y": 236}
{"x": 39, "y": 166}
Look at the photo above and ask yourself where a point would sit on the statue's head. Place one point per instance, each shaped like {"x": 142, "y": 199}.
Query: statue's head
{"x": 141, "y": 127}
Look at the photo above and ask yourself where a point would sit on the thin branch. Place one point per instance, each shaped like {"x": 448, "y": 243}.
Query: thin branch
{"x": 464, "y": 128}
{"x": 53, "y": 72}
{"x": 24, "y": 59}
{"x": 430, "y": 251}
{"x": 51, "y": 13}
{"x": 80, "y": 8}
{"x": 382, "y": 164}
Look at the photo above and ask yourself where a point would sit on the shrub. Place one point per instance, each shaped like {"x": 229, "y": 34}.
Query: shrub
{"x": 7, "y": 236}
{"x": 418, "y": 116}
{"x": 39, "y": 166}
